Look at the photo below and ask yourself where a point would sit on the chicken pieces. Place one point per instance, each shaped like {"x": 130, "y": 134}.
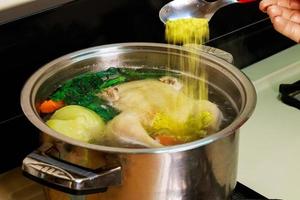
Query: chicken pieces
{"x": 149, "y": 107}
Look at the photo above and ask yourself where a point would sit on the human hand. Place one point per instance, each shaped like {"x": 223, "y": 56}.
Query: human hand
{"x": 285, "y": 16}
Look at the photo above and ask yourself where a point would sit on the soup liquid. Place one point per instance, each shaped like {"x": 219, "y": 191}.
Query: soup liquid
{"x": 217, "y": 96}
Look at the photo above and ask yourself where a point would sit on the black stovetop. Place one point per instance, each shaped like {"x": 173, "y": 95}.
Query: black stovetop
{"x": 243, "y": 192}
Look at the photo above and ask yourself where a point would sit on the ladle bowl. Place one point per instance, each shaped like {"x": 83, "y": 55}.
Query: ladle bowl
{"x": 178, "y": 9}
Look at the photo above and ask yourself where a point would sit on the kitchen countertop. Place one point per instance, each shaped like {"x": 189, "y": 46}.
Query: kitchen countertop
{"x": 269, "y": 159}
{"x": 11, "y": 10}
{"x": 14, "y": 186}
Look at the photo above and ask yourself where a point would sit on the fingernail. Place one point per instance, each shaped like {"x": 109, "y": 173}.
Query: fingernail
{"x": 263, "y": 6}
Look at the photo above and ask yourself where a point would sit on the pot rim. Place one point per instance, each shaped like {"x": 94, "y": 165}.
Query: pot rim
{"x": 243, "y": 115}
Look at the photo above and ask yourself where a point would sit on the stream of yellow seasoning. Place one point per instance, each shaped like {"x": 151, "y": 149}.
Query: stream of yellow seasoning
{"x": 190, "y": 32}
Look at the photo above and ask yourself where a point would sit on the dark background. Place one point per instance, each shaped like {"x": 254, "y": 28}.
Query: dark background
{"x": 28, "y": 43}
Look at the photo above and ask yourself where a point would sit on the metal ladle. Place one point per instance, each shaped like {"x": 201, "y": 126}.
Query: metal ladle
{"x": 177, "y": 9}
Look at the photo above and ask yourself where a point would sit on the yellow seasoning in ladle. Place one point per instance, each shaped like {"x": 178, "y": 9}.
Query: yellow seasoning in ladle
{"x": 187, "y": 31}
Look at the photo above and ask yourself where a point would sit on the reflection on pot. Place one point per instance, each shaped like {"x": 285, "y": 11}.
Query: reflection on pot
{"x": 203, "y": 169}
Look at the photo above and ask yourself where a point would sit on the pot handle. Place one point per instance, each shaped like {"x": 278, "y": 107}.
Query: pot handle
{"x": 213, "y": 51}
{"x": 67, "y": 177}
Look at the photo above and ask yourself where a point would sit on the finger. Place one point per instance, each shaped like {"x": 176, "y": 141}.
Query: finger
{"x": 287, "y": 28}
{"x": 292, "y": 15}
{"x": 274, "y": 11}
{"x": 292, "y": 4}
{"x": 264, "y": 4}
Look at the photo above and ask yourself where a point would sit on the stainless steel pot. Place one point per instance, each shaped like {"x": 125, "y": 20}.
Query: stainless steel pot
{"x": 204, "y": 169}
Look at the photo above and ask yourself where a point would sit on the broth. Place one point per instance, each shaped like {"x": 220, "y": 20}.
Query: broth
{"x": 137, "y": 107}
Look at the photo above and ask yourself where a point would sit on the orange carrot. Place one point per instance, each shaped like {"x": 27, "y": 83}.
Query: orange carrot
{"x": 166, "y": 140}
{"x": 49, "y": 106}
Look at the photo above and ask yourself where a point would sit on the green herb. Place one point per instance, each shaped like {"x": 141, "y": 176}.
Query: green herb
{"x": 82, "y": 89}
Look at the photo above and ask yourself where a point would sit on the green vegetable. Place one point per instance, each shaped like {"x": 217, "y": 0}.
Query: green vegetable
{"x": 78, "y": 123}
{"x": 99, "y": 106}
{"x": 82, "y": 89}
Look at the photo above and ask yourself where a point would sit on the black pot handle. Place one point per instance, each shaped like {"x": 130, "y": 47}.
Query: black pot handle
{"x": 67, "y": 177}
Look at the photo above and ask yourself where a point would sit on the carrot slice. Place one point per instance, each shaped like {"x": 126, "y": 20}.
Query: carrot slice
{"x": 49, "y": 106}
{"x": 166, "y": 140}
